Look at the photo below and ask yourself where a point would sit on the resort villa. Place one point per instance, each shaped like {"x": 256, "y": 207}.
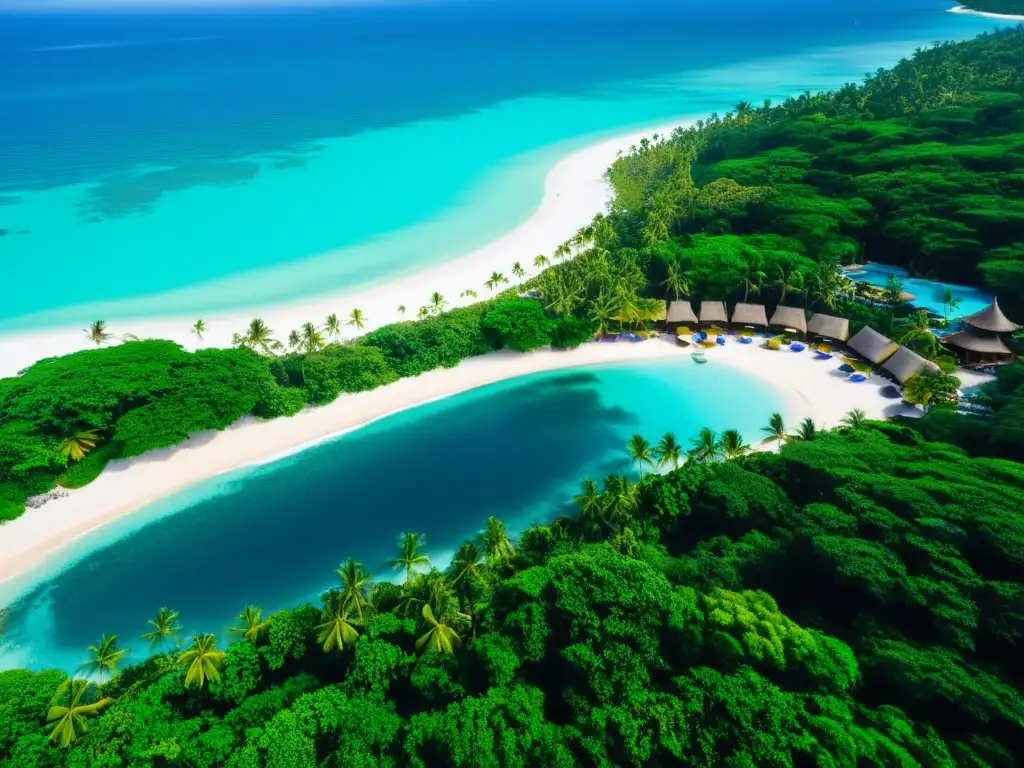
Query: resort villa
{"x": 981, "y": 340}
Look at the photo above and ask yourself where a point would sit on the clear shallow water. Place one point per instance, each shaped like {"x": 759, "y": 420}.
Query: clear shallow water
{"x": 926, "y": 292}
{"x": 152, "y": 153}
{"x": 274, "y": 534}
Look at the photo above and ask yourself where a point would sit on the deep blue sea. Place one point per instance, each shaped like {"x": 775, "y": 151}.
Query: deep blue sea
{"x": 145, "y": 153}
{"x": 275, "y": 534}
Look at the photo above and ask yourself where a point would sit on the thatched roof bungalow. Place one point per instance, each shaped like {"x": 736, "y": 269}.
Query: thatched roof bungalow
{"x": 872, "y": 346}
{"x": 713, "y": 312}
{"x": 981, "y": 340}
{"x": 789, "y": 317}
{"x": 681, "y": 313}
{"x": 829, "y": 327}
{"x": 749, "y": 314}
{"x": 905, "y": 363}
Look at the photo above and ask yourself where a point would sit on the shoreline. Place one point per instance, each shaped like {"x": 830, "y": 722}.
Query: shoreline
{"x": 809, "y": 388}
{"x": 985, "y": 14}
{"x": 574, "y": 191}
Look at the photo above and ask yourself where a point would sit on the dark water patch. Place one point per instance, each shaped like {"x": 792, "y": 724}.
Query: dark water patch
{"x": 138, "y": 193}
{"x": 10, "y": 199}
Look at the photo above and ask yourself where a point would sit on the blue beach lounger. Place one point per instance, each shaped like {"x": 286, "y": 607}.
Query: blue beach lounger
{"x": 857, "y": 378}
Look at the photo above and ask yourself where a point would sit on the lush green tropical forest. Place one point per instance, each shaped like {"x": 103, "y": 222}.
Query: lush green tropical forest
{"x": 855, "y": 599}
{"x": 1008, "y": 7}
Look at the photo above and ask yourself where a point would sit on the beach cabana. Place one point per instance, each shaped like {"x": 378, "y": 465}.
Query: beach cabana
{"x": 750, "y": 314}
{"x": 872, "y": 346}
{"x": 981, "y": 342}
{"x": 905, "y": 363}
{"x": 829, "y": 327}
{"x": 680, "y": 313}
{"x": 789, "y": 318}
{"x": 713, "y": 312}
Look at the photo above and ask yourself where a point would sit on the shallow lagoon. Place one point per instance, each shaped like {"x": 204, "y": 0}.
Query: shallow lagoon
{"x": 274, "y": 534}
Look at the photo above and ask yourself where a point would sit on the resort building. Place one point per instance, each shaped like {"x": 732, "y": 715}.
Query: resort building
{"x": 981, "y": 342}
{"x": 752, "y": 315}
{"x": 905, "y": 363}
{"x": 713, "y": 312}
{"x": 872, "y": 346}
{"x": 680, "y": 313}
{"x": 829, "y": 327}
{"x": 791, "y": 319}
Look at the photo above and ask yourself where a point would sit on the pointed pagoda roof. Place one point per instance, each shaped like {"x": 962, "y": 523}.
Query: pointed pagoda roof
{"x": 991, "y": 345}
{"x": 991, "y": 319}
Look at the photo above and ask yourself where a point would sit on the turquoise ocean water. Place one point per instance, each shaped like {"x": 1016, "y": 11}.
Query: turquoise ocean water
{"x": 228, "y": 159}
{"x": 274, "y": 534}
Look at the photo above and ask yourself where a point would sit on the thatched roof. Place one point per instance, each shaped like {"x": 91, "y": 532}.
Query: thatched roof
{"x": 750, "y": 314}
{"x": 991, "y": 345}
{"x": 713, "y": 312}
{"x": 681, "y": 312}
{"x": 870, "y": 344}
{"x": 905, "y": 363}
{"x": 789, "y": 317}
{"x": 830, "y": 327}
{"x": 991, "y": 319}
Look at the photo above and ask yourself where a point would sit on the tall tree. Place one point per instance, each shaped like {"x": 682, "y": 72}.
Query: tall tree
{"x": 518, "y": 271}
{"x": 441, "y": 636}
{"x": 165, "y": 629}
{"x": 199, "y": 328}
{"x": 312, "y": 340}
{"x": 336, "y": 630}
{"x": 949, "y": 302}
{"x": 668, "y": 451}
{"x": 640, "y": 451}
{"x": 705, "y": 448}
{"x": 776, "y": 429}
{"x": 675, "y": 284}
{"x": 410, "y": 555}
{"x": 497, "y": 545}
{"x": 356, "y": 583}
{"x": 202, "y": 661}
{"x": 731, "y": 444}
{"x": 356, "y": 318}
{"x": 332, "y": 327}
{"x": 437, "y": 303}
{"x": 104, "y": 657}
{"x": 257, "y": 336}
{"x": 69, "y": 712}
{"x": 496, "y": 279}
{"x": 540, "y": 261}
{"x": 253, "y": 625}
{"x": 97, "y": 333}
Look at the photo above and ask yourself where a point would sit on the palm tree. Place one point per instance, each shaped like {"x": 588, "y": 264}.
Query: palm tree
{"x": 949, "y": 302}
{"x": 165, "y": 627}
{"x": 497, "y": 545}
{"x": 540, "y": 261}
{"x": 753, "y": 278}
{"x": 469, "y": 292}
{"x": 437, "y": 302}
{"x": 70, "y": 713}
{"x": 97, "y": 333}
{"x": 466, "y": 563}
{"x": 441, "y": 637}
{"x": 257, "y": 336}
{"x": 401, "y": 309}
{"x": 312, "y": 339}
{"x": 619, "y": 497}
{"x": 675, "y": 284}
{"x": 253, "y": 625}
{"x": 588, "y": 499}
{"x": 336, "y": 631}
{"x": 668, "y": 450}
{"x": 744, "y": 111}
{"x": 806, "y": 430}
{"x": 294, "y": 340}
{"x": 410, "y": 555}
{"x": 332, "y": 326}
{"x": 776, "y": 429}
{"x": 74, "y": 447}
{"x": 518, "y": 271}
{"x": 202, "y": 661}
{"x": 423, "y": 313}
{"x": 705, "y": 447}
{"x": 199, "y": 328}
{"x": 495, "y": 280}
{"x": 854, "y": 418}
{"x": 640, "y": 451}
{"x": 892, "y": 294}
{"x": 914, "y": 333}
{"x": 355, "y": 588}
{"x": 731, "y": 444}
{"x": 356, "y": 318}
{"x": 104, "y": 657}
{"x": 789, "y": 278}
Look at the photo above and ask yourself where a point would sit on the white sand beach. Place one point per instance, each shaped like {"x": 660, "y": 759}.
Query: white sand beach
{"x": 809, "y": 388}
{"x": 574, "y": 191}
{"x": 986, "y": 14}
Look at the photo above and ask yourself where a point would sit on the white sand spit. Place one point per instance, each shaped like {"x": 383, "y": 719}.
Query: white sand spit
{"x": 810, "y": 388}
